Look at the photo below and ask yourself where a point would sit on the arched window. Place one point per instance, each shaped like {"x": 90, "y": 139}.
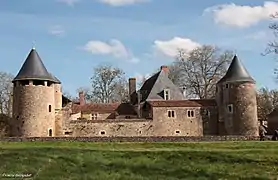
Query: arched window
{"x": 50, "y": 132}
{"x": 49, "y": 108}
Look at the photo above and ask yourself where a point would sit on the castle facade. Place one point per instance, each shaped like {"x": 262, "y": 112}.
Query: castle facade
{"x": 158, "y": 108}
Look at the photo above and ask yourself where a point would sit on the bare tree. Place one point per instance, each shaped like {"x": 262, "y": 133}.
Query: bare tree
{"x": 108, "y": 84}
{"x": 121, "y": 94}
{"x": 199, "y": 70}
{"x": 69, "y": 96}
{"x": 5, "y": 125}
{"x": 273, "y": 45}
{"x": 267, "y": 100}
{"x": 141, "y": 81}
{"x": 6, "y": 88}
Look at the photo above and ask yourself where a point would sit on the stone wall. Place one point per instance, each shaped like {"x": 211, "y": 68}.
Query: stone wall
{"x": 62, "y": 120}
{"x": 204, "y": 121}
{"x": 125, "y": 127}
{"x": 160, "y": 125}
{"x": 58, "y": 96}
{"x": 136, "y": 139}
{"x": 180, "y": 124}
{"x": 31, "y": 110}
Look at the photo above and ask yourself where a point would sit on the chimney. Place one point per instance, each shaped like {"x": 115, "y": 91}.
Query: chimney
{"x": 81, "y": 98}
{"x": 132, "y": 89}
{"x": 164, "y": 69}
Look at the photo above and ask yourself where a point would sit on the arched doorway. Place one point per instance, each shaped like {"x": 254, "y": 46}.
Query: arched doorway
{"x": 50, "y": 132}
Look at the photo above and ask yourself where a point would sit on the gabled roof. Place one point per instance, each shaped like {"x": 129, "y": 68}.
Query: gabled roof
{"x": 237, "y": 73}
{"x": 153, "y": 88}
{"x": 33, "y": 69}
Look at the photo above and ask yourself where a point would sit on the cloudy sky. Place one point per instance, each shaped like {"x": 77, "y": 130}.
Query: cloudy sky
{"x": 74, "y": 36}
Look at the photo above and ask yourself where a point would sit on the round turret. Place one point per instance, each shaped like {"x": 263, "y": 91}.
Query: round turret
{"x": 237, "y": 104}
{"x": 33, "y": 99}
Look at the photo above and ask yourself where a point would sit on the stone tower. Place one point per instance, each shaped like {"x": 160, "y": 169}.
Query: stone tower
{"x": 34, "y": 99}
{"x": 237, "y": 104}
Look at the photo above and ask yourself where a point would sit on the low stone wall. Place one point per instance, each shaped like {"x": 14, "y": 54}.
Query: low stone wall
{"x": 133, "y": 139}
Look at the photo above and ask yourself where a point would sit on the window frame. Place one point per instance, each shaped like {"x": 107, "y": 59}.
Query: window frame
{"x": 166, "y": 94}
{"x": 171, "y": 113}
{"x": 190, "y": 113}
{"x": 94, "y": 116}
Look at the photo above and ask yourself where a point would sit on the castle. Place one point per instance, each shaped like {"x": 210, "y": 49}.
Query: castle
{"x": 158, "y": 108}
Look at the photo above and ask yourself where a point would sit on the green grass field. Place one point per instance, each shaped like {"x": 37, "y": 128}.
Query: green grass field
{"x": 134, "y": 161}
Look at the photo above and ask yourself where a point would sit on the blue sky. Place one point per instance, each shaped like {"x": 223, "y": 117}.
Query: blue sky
{"x": 74, "y": 36}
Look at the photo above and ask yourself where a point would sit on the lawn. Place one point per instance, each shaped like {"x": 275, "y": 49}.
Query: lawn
{"x": 140, "y": 161}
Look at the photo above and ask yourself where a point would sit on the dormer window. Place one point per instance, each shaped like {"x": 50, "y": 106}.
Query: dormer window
{"x": 166, "y": 94}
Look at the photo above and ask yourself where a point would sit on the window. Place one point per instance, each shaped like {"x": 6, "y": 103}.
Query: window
{"x": 50, "y": 132}
{"x": 166, "y": 94}
{"x": 230, "y": 108}
{"x": 68, "y": 133}
{"x": 102, "y": 132}
{"x": 94, "y": 116}
{"x": 227, "y": 85}
{"x": 49, "y": 108}
{"x": 190, "y": 113}
{"x": 177, "y": 132}
{"x": 171, "y": 113}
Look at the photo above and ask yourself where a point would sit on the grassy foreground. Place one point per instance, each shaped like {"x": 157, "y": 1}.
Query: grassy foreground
{"x": 134, "y": 161}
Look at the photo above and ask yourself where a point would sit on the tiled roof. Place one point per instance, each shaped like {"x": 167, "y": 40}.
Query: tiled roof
{"x": 120, "y": 108}
{"x": 184, "y": 103}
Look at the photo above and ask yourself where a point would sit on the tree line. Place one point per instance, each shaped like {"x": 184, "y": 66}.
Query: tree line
{"x": 196, "y": 71}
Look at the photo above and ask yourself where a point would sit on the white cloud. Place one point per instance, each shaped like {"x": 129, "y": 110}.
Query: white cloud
{"x": 114, "y": 47}
{"x": 56, "y": 30}
{"x": 242, "y": 15}
{"x": 69, "y": 2}
{"x": 122, "y": 2}
{"x": 170, "y": 47}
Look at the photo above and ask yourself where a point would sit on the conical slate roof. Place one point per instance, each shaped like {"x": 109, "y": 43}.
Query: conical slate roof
{"x": 56, "y": 80}
{"x": 237, "y": 73}
{"x": 33, "y": 69}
